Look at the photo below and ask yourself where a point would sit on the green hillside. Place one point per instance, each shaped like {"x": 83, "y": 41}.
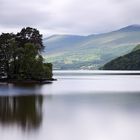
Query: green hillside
{"x": 90, "y": 52}
{"x": 136, "y": 48}
{"x": 129, "y": 61}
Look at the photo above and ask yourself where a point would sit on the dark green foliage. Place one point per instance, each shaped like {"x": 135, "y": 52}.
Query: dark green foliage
{"x": 20, "y": 56}
{"x": 30, "y": 35}
{"x": 130, "y": 61}
{"x": 48, "y": 70}
{"x": 6, "y": 46}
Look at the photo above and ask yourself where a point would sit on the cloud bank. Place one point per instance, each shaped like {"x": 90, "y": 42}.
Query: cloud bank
{"x": 68, "y": 16}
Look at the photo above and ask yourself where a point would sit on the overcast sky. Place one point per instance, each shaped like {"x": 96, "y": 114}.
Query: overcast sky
{"x": 68, "y": 16}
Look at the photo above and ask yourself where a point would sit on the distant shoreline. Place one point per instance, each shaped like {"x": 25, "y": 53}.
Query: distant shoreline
{"x": 28, "y": 81}
{"x": 96, "y": 72}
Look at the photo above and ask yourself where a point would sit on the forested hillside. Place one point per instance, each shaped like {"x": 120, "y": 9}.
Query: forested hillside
{"x": 131, "y": 61}
{"x": 90, "y": 52}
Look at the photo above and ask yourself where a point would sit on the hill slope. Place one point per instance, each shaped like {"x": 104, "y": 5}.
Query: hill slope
{"x": 136, "y": 48}
{"x": 90, "y": 52}
{"x": 130, "y": 61}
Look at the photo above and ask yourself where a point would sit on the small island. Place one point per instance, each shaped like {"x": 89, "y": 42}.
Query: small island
{"x": 21, "y": 59}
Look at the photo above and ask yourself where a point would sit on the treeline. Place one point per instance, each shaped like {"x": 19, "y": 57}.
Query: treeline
{"x": 130, "y": 61}
{"x": 20, "y": 56}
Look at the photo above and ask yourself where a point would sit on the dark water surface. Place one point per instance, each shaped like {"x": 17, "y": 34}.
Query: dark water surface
{"x": 79, "y": 106}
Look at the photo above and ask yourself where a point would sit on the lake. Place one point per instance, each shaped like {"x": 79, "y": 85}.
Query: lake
{"x": 80, "y": 105}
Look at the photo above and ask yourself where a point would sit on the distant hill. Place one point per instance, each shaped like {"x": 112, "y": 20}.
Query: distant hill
{"x": 131, "y": 28}
{"x": 90, "y": 52}
{"x": 130, "y": 61}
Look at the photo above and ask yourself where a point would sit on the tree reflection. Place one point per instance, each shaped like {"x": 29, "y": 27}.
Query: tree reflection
{"x": 24, "y": 111}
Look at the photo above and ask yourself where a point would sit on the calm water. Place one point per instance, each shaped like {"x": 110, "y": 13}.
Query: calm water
{"x": 79, "y": 106}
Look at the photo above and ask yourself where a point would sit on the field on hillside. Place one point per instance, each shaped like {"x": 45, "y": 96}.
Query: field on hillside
{"x": 89, "y": 52}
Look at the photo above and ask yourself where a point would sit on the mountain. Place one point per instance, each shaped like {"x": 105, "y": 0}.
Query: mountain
{"x": 131, "y": 28}
{"x": 130, "y": 61}
{"x": 90, "y": 52}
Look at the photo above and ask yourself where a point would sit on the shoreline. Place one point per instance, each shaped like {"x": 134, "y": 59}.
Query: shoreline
{"x": 28, "y": 81}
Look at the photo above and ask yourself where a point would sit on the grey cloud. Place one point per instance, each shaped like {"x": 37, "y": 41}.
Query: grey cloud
{"x": 69, "y": 16}
{"x": 16, "y": 14}
{"x": 22, "y": 19}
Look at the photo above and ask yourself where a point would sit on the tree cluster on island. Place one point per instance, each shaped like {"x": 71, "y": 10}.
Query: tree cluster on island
{"x": 20, "y": 56}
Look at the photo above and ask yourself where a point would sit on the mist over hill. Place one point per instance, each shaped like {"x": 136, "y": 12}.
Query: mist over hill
{"x": 90, "y": 52}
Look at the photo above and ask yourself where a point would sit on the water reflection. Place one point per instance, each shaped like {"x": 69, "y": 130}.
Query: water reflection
{"x": 74, "y": 108}
{"x": 19, "y": 89}
{"x": 24, "y": 111}
{"x": 104, "y": 116}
